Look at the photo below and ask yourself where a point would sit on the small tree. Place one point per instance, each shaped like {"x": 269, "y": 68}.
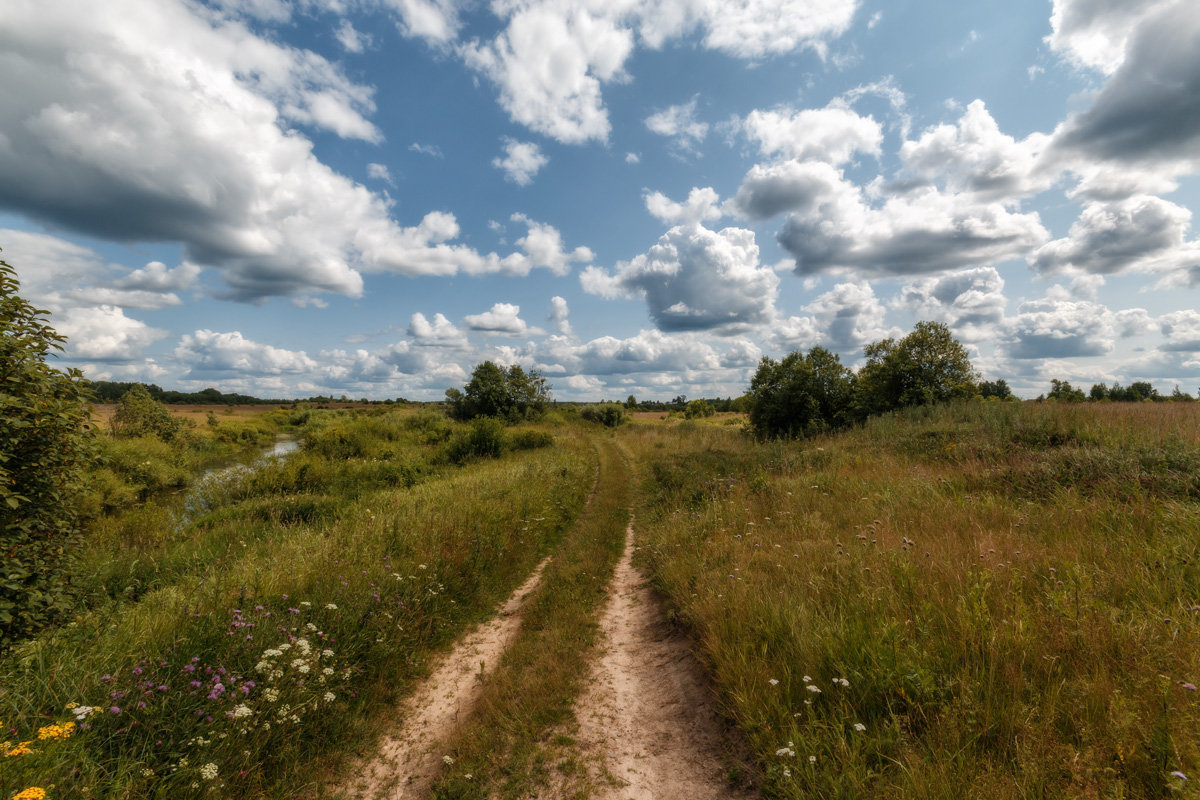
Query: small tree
{"x": 698, "y": 408}
{"x": 631, "y": 403}
{"x": 45, "y": 440}
{"x": 927, "y": 366}
{"x": 493, "y": 391}
{"x": 997, "y": 389}
{"x": 1064, "y": 392}
{"x": 799, "y": 395}
{"x": 139, "y": 414}
{"x": 610, "y": 415}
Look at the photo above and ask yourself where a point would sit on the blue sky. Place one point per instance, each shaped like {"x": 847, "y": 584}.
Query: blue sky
{"x": 368, "y": 197}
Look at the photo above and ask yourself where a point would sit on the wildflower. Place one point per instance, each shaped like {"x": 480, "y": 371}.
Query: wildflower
{"x": 239, "y": 711}
{"x": 773, "y": 682}
{"x": 271, "y": 694}
{"x": 813, "y": 688}
{"x": 1191, "y": 687}
{"x": 327, "y": 653}
{"x": 147, "y": 773}
{"x": 328, "y": 671}
{"x": 330, "y": 697}
{"x": 845, "y": 683}
{"x": 785, "y": 751}
{"x": 806, "y": 679}
{"x": 21, "y": 749}
{"x": 32, "y": 793}
{"x": 1180, "y": 775}
{"x": 208, "y": 771}
{"x": 468, "y": 776}
{"x": 812, "y": 759}
{"x": 330, "y": 607}
{"x": 787, "y": 773}
{"x": 62, "y": 731}
{"x": 858, "y": 726}
{"x": 447, "y": 759}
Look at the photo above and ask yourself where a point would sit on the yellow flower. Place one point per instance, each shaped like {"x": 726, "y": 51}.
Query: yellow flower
{"x": 62, "y": 731}
{"x": 20, "y": 750}
{"x": 32, "y": 793}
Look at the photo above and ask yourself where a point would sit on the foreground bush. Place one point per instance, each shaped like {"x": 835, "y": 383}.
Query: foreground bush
{"x": 45, "y": 443}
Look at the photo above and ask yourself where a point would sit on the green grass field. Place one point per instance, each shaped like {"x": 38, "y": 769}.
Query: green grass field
{"x": 983, "y": 600}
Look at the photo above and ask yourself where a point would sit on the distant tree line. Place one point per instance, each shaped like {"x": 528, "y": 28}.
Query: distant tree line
{"x": 113, "y": 391}
{"x": 1136, "y": 392}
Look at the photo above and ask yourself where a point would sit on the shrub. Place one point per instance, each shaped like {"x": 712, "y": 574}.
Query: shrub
{"x": 531, "y": 440}
{"x": 799, "y": 395}
{"x": 45, "y": 442}
{"x": 511, "y": 394}
{"x": 484, "y": 439}
{"x": 925, "y": 367}
{"x": 698, "y": 408}
{"x": 139, "y": 414}
{"x": 610, "y": 415}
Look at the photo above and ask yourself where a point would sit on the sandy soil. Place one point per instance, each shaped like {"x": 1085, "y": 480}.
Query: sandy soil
{"x": 647, "y": 719}
{"x": 408, "y": 761}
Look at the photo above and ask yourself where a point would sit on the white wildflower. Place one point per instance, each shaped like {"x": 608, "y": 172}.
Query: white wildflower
{"x": 330, "y": 697}
{"x": 327, "y": 653}
{"x": 327, "y": 671}
{"x": 447, "y": 759}
{"x": 812, "y": 759}
{"x": 208, "y": 771}
{"x": 330, "y": 607}
{"x": 773, "y": 682}
{"x": 858, "y": 726}
{"x": 271, "y": 694}
{"x": 806, "y": 679}
{"x": 813, "y": 688}
{"x": 240, "y": 711}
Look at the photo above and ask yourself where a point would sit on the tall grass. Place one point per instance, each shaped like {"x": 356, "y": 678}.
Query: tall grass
{"x": 225, "y": 655}
{"x": 973, "y": 601}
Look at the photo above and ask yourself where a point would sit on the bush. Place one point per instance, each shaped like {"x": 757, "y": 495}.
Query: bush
{"x": 139, "y": 414}
{"x": 531, "y": 440}
{"x": 45, "y": 442}
{"x": 610, "y": 415}
{"x": 511, "y": 394}
{"x": 698, "y": 408}
{"x": 799, "y": 395}
{"x": 484, "y": 439}
{"x": 925, "y": 367}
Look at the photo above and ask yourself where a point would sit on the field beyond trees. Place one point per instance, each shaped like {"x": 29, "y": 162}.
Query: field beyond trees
{"x": 992, "y": 600}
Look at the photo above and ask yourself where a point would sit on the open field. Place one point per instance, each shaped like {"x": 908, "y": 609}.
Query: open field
{"x": 984, "y": 600}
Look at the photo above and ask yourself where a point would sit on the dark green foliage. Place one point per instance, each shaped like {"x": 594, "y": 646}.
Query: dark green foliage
{"x": 631, "y": 403}
{"x": 484, "y": 439}
{"x": 139, "y": 414}
{"x": 610, "y": 415}
{"x": 1064, "y": 392}
{"x": 531, "y": 440}
{"x": 1135, "y": 392}
{"x": 45, "y": 442}
{"x": 927, "y": 366}
{"x": 510, "y": 394}
{"x": 997, "y": 389}
{"x": 799, "y": 395}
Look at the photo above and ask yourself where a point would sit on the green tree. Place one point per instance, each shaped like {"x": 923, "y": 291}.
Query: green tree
{"x": 45, "y": 441}
{"x": 139, "y": 414}
{"x": 800, "y": 395}
{"x": 1064, "y": 392}
{"x": 698, "y": 408}
{"x": 997, "y": 389}
{"x": 927, "y": 366}
{"x": 511, "y": 394}
{"x": 631, "y": 403}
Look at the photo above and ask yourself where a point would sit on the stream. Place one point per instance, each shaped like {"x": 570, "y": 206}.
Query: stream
{"x": 206, "y": 492}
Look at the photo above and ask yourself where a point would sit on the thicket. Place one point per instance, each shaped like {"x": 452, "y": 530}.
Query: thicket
{"x": 139, "y": 414}
{"x": 45, "y": 443}
{"x": 610, "y": 415}
{"x": 509, "y": 394}
{"x": 806, "y": 394}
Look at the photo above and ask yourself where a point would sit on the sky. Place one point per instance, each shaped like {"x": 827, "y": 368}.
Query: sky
{"x": 369, "y": 197}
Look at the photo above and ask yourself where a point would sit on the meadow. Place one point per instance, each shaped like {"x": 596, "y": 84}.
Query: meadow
{"x": 992, "y": 600}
